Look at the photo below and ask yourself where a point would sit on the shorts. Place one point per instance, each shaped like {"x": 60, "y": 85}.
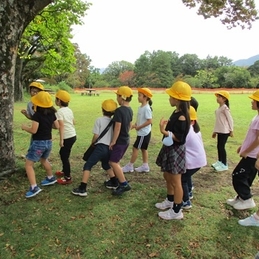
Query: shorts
{"x": 39, "y": 149}
{"x": 117, "y": 152}
{"x": 142, "y": 142}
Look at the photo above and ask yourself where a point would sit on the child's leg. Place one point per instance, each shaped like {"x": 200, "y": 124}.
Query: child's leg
{"x": 30, "y": 172}
{"x": 144, "y": 156}
{"x": 134, "y": 155}
{"x": 118, "y": 171}
{"x": 222, "y": 154}
{"x": 47, "y": 166}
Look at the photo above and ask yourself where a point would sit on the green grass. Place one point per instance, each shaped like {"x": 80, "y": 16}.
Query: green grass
{"x": 56, "y": 224}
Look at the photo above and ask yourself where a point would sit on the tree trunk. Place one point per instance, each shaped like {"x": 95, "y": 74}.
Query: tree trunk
{"x": 15, "y": 16}
{"x": 18, "y": 86}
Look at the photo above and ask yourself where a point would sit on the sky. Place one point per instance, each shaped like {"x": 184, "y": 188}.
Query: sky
{"x": 117, "y": 30}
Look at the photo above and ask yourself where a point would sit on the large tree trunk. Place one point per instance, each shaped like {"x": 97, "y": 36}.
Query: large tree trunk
{"x": 15, "y": 16}
{"x": 18, "y": 86}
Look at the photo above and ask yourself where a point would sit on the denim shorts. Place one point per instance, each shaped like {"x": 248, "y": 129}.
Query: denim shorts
{"x": 39, "y": 149}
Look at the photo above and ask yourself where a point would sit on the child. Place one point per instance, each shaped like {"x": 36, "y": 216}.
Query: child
{"x": 245, "y": 172}
{"x": 101, "y": 151}
{"x": 35, "y": 87}
{"x": 143, "y": 128}
{"x": 40, "y": 147}
{"x": 223, "y": 129}
{"x": 67, "y": 135}
{"x": 195, "y": 156}
{"x": 120, "y": 141}
{"x": 171, "y": 158}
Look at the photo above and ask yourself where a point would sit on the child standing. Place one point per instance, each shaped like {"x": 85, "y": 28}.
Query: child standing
{"x": 67, "y": 134}
{"x": 171, "y": 158}
{"x": 41, "y": 144}
{"x": 195, "y": 156}
{"x": 120, "y": 141}
{"x": 223, "y": 129}
{"x": 143, "y": 128}
{"x": 245, "y": 172}
{"x": 101, "y": 151}
{"x": 35, "y": 87}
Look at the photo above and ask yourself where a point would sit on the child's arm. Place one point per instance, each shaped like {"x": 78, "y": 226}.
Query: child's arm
{"x": 33, "y": 129}
{"x": 24, "y": 112}
{"x": 61, "y": 133}
{"x": 146, "y": 123}
{"x": 253, "y": 145}
{"x": 116, "y": 132}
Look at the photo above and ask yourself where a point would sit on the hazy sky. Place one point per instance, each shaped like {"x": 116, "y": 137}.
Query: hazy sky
{"x": 117, "y": 30}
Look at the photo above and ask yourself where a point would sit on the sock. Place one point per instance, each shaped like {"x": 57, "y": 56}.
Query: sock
{"x": 114, "y": 180}
{"x": 124, "y": 183}
{"x": 130, "y": 164}
{"x": 33, "y": 186}
{"x": 177, "y": 207}
{"x": 170, "y": 197}
{"x": 49, "y": 177}
{"x": 256, "y": 216}
{"x": 83, "y": 186}
{"x": 145, "y": 164}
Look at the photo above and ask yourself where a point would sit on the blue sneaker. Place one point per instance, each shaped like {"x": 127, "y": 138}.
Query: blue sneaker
{"x": 33, "y": 192}
{"x": 48, "y": 181}
{"x": 187, "y": 205}
{"x": 190, "y": 195}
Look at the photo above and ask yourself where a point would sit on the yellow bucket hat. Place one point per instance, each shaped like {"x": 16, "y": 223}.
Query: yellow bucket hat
{"x": 193, "y": 114}
{"x": 125, "y": 92}
{"x": 146, "y": 92}
{"x": 62, "y": 95}
{"x": 42, "y": 99}
{"x": 255, "y": 96}
{"x": 109, "y": 105}
{"x": 223, "y": 93}
{"x": 37, "y": 85}
{"x": 180, "y": 91}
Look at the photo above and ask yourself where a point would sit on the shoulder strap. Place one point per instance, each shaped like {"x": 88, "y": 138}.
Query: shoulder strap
{"x": 104, "y": 131}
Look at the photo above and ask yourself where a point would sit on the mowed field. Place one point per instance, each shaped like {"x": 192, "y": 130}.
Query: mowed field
{"x": 56, "y": 224}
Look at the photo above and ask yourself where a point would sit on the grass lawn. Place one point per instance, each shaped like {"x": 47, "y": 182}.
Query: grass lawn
{"x": 57, "y": 224}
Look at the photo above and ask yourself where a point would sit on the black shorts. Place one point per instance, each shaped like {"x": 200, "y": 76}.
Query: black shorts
{"x": 142, "y": 142}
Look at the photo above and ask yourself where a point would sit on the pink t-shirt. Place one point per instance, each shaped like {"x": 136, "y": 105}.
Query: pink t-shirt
{"x": 251, "y": 135}
{"x": 224, "y": 121}
{"x": 194, "y": 153}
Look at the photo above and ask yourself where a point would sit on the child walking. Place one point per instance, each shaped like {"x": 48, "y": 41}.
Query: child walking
{"x": 35, "y": 87}
{"x": 143, "y": 128}
{"x": 120, "y": 141}
{"x": 101, "y": 151}
{"x": 245, "y": 172}
{"x": 41, "y": 144}
{"x": 171, "y": 158}
{"x": 195, "y": 157}
{"x": 67, "y": 135}
{"x": 223, "y": 129}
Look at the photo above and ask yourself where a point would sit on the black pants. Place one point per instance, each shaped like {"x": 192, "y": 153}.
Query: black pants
{"x": 65, "y": 153}
{"x": 185, "y": 179}
{"x": 222, "y": 154}
{"x": 243, "y": 177}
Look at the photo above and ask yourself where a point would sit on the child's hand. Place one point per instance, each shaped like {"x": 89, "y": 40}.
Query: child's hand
{"x": 163, "y": 122}
{"x": 214, "y": 134}
{"x": 231, "y": 134}
{"x": 238, "y": 150}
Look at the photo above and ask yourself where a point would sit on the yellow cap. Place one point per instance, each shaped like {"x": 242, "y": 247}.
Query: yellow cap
{"x": 180, "y": 91}
{"x": 37, "y": 85}
{"x": 62, "y": 95}
{"x": 255, "y": 96}
{"x": 109, "y": 105}
{"x": 124, "y": 91}
{"x": 42, "y": 99}
{"x": 145, "y": 91}
{"x": 223, "y": 93}
{"x": 193, "y": 114}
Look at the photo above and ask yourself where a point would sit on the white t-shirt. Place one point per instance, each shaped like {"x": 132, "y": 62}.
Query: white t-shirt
{"x": 195, "y": 153}
{"x": 144, "y": 114}
{"x": 65, "y": 114}
{"x": 99, "y": 125}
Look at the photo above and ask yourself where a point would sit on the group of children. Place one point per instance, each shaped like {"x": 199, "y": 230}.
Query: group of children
{"x": 182, "y": 153}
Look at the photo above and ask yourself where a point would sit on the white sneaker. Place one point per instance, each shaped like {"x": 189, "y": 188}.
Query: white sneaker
{"x": 221, "y": 167}
{"x": 232, "y": 202}
{"x": 128, "y": 168}
{"x": 142, "y": 169}
{"x": 249, "y": 221}
{"x": 170, "y": 214}
{"x": 166, "y": 204}
{"x": 244, "y": 204}
{"x": 215, "y": 164}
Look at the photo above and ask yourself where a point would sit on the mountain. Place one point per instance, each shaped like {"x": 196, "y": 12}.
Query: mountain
{"x": 246, "y": 62}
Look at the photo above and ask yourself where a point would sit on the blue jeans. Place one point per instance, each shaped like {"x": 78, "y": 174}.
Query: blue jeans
{"x": 39, "y": 149}
{"x": 100, "y": 153}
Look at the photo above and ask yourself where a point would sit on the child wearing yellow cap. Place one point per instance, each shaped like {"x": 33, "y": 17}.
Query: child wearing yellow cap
{"x": 67, "y": 135}
{"x": 143, "y": 128}
{"x": 245, "y": 172}
{"x": 41, "y": 144}
{"x": 101, "y": 151}
{"x": 171, "y": 158}
{"x": 223, "y": 129}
